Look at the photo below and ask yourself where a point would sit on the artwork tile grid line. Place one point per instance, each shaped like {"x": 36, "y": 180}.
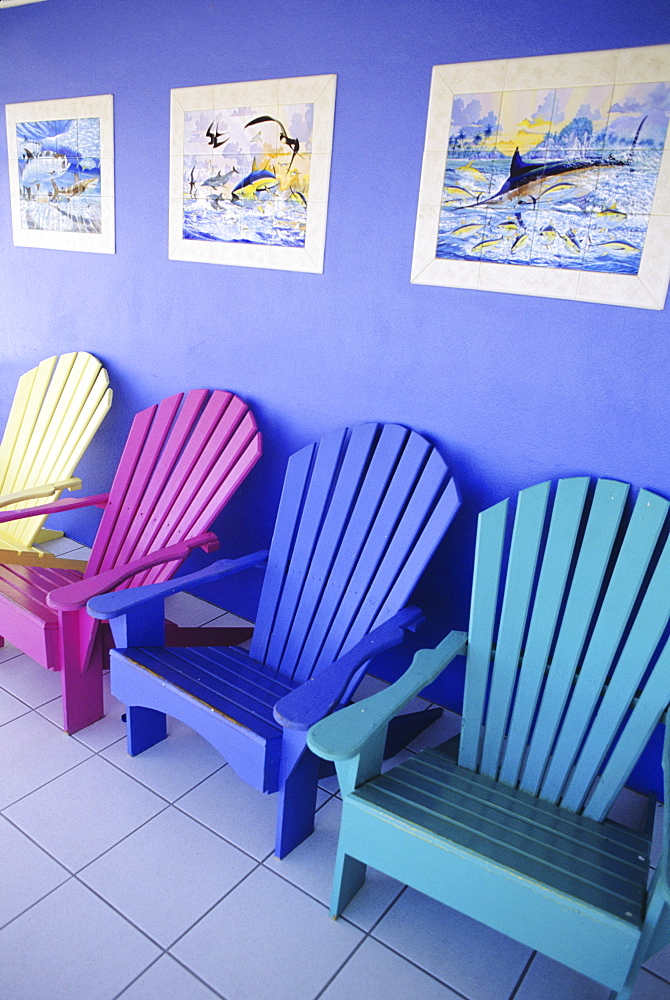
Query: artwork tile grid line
{"x": 653, "y": 980}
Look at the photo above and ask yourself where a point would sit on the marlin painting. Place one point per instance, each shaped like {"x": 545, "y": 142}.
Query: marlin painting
{"x": 560, "y": 180}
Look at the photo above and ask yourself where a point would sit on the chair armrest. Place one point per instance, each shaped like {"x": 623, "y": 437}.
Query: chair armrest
{"x": 98, "y": 500}
{"x": 321, "y": 694}
{"x": 36, "y": 492}
{"x": 344, "y": 735}
{"x": 106, "y": 606}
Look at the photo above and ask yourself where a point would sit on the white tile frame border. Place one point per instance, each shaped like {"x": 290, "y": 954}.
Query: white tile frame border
{"x": 100, "y": 106}
{"x": 647, "y": 289}
{"x": 319, "y": 90}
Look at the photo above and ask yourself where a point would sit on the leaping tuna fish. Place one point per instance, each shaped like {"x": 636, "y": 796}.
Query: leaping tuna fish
{"x": 255, "y": 183}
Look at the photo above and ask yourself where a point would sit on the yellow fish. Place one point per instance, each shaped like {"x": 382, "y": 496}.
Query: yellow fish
{"x": 616, "y": 246}
{"x": 511, "y": 225}
{"x": 571, "y": 241}
{"x": 485, "y": 244}
{"x": 470, "y": 227}
{"x": 613, "y": 212}
{"x": 519, "y": 242}
{"x": 549, "y": 233}
{"x": 458, "y": 192}
{"x": 472, "y": 171}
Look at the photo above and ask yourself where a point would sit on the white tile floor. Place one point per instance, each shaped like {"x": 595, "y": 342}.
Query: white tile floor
{"x": 153, "y": 878}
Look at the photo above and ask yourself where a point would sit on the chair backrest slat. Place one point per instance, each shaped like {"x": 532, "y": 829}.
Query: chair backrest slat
{"x": 604, "y": 518}
{"x": 404, "y": 493}
{"x": 483, "y": 605}
{"x": 566, "y": 677}
{"x": 182, "y": 461}
{"x": 643, "y": 720}
{"x": 622, "y": 591}
{"x": 313, "y": 507}
{"x": 565, "y": 521}
{"x": 57, "y": 409}
{"x": 360, "y": 515}
{"x": 346, "y": 524}
{"x": 524, "y": 551}
{"x": 151, "y": 425}
{"x": 641, "y": 642}
{"x": 290, "y": 504}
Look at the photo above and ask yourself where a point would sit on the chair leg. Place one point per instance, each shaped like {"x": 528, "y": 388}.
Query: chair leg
{"x": 348, "y": 877}
{"x": 82, "y": 692}
{"x": 297, "y": 804}
{"x": 2, "y": 641}
{"x": 146, "y": 727}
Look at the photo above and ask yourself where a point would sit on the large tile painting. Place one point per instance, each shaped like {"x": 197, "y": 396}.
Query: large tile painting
{"x": 61, "y": 163}
{"x": 549, "y": 176}
{"x": 250, "y": 172}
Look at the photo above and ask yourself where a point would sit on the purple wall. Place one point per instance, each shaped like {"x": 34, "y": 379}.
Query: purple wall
{"x": 515, "y": 389}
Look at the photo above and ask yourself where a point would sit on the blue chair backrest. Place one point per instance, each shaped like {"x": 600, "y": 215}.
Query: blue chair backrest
{"x": 360, "y": 515}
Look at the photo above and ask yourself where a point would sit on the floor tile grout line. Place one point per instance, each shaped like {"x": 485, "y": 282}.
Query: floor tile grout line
{"x": 35, "y": 902}
{"x": 213, "y": 906}
{"x": 209, "y": 986}
{"x": 346, "y": 961}
{"x": 138, "y": 976}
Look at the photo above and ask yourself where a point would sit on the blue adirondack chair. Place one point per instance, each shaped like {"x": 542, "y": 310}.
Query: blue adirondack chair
{"x": 360, "y": 515}
{"x": 568, "y": 672}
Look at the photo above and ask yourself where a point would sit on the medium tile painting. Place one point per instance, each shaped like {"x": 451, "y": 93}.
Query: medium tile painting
{"x": 246, "y": 174}
{"x": 59, "y": 173}
{"x": 553, "y": 177}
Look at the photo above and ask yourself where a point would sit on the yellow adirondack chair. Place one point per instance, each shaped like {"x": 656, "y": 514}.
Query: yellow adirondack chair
{"x": 57, "y": 408}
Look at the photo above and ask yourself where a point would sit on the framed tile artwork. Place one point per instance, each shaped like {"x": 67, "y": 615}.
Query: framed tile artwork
{"x": 549, "y": 176}
{"x": 249, "y": 172}
{"x": 61, "y": 173}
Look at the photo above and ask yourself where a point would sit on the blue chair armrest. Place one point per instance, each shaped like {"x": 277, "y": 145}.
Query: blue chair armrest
{"x": 121, "y": 602}
{"x": 321, "y": 694}
{"x": 344, "y": 735}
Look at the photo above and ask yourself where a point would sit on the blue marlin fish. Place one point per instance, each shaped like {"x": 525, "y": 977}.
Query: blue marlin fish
{"x": 528, "y": 181}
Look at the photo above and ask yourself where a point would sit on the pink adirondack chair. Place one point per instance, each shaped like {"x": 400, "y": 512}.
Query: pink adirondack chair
{"x": 183, "y": 460}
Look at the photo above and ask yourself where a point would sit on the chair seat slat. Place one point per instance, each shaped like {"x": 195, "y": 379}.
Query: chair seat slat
{"x": 533, "y": 858}
{"x": 180, "y": 670}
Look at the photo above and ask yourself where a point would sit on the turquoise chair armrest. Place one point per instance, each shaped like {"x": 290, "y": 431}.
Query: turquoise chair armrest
{"x": 345, "y": 734}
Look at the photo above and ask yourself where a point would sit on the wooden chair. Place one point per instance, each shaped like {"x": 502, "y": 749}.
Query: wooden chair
{"x": 360, "y": 515}
{"x": 568, "y": 672}
{"x": 57, "y": 409}
{"x": 183, "y": 460}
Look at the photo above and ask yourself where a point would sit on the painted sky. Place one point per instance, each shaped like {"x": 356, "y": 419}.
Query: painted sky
{"x": 511, "y": 119}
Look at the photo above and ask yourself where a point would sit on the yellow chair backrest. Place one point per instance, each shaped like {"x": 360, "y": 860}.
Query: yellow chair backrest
{"x": 57, "y": 409}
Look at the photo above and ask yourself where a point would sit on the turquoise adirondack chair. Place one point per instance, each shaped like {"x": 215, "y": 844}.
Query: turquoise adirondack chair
{"x": 568, "y": 673}
{"x": 360, "y": 516}
{"x": 183, "y": 460}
